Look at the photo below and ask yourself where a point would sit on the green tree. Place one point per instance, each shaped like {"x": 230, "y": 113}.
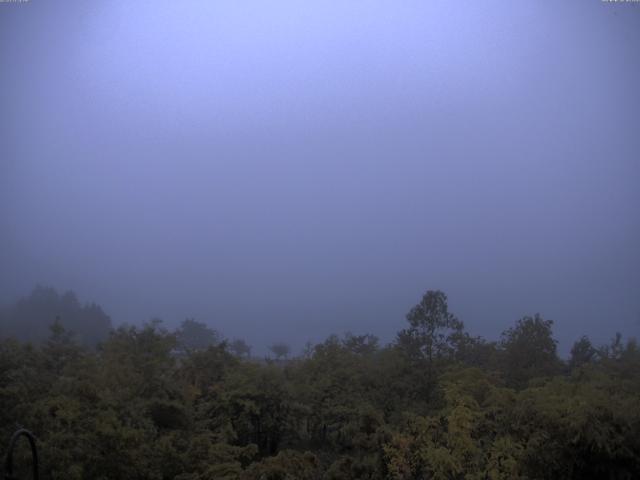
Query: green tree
{"x": 529, "y": 350}
{"x": 193, "y": 335}
{"x": 432, "y": 327}
{"x": 361, "y": 344}
{"x": 582, "y": 353}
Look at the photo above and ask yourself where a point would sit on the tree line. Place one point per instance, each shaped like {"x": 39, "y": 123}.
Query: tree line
{"x": 436, "y": 403}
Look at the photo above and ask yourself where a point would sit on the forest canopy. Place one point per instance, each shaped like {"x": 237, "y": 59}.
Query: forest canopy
{"x": 148, "y": 403}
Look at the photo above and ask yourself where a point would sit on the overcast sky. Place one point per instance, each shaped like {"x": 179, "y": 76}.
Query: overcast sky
{"x": 284, "y": 170}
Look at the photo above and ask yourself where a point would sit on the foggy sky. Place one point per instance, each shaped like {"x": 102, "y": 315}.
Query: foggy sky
{"x": 285, "y": 170}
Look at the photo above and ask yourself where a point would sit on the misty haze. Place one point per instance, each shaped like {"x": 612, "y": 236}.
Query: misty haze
{"x": 320, "y": 239}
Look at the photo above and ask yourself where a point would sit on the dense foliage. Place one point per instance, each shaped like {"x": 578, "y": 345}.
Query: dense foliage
{"x": 436, "y": 403}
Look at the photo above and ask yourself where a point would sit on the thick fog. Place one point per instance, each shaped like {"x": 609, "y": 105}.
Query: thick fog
{"x": 286, "y": 170}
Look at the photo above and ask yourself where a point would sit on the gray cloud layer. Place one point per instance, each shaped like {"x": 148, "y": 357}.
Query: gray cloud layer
{"x": 284, "y": 170}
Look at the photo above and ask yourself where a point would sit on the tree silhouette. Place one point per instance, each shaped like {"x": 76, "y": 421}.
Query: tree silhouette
{"x": 582, "y": 352}
{"x": 29, "y": 318}
{"x": 240, "y": 348}
{"x": 432, "y": 327}
{"x": 281, "y": 350}
{"x": 529, "y": 350}
{"x": 193, "y": 335}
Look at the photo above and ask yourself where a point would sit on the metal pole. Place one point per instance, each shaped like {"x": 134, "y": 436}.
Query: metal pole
{"x": 8, "y": 464}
